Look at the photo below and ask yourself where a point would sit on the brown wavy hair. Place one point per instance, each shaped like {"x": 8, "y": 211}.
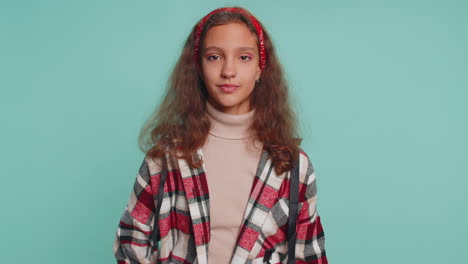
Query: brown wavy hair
{"x": 179, "y": 125}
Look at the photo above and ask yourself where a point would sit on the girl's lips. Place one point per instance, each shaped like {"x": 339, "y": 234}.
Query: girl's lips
{"x": 228, "y": 88}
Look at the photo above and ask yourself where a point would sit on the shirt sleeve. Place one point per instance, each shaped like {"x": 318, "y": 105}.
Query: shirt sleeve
{"x": 310, "y": 241}
{"x": 132, "y": 242}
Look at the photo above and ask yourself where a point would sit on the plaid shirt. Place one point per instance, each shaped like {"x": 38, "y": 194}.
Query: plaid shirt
{"x": 184, "y": 219}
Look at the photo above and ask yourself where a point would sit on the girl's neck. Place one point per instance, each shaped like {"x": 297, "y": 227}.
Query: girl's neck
{"x": 229, "y": 126}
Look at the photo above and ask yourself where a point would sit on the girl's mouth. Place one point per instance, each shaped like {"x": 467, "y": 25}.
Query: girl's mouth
{"x": 228, "y": 88}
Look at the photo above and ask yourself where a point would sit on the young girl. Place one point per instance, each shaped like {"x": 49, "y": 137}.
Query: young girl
{"x": 222, "y": 147}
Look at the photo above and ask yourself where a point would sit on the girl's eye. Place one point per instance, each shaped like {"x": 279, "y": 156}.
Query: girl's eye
{"x": 217, "y": 57}
{"x": 213, "y": 57}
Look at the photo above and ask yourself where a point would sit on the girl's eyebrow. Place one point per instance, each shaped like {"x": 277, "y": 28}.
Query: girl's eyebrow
{"x": 240, "y": 48}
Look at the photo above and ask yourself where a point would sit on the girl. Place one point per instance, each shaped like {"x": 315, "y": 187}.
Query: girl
{"x": 219, "y": 156}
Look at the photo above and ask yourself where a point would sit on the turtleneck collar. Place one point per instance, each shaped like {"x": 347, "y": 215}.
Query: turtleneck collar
{"x": 229, "y": 126}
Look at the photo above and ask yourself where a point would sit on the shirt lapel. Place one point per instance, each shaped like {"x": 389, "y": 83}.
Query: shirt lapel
{"x": 263, "y": 195}
{"x": 196, "y": 189}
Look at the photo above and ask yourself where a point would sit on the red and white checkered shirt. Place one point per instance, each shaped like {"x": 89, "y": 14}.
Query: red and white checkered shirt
{"x": 184, "y": 220}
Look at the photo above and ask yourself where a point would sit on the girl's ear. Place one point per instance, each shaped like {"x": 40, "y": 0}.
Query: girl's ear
{"x": 259, "y": 73}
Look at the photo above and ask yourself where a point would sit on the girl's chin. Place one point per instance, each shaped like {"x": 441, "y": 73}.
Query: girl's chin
{"x": 232, "y": 106}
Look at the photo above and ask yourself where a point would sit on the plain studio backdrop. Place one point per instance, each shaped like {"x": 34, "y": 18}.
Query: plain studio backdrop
{"x": 380, "y": 88}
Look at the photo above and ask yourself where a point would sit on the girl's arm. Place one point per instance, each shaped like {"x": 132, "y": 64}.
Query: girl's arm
{"x": 132, "y": 242}
{"x": 310, "y": 241}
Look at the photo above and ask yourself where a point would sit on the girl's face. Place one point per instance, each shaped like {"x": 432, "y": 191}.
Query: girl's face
{"x": 230, "y": 66}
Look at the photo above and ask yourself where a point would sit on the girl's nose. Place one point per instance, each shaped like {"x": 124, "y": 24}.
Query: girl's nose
{"x": 229, "y": 69}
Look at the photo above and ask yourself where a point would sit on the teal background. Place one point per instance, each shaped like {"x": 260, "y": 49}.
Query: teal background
{"x": 380, "y": 86}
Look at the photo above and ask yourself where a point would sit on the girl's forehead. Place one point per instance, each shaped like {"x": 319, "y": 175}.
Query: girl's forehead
{"x": 232, "y": 36}
{"x": 216, "y": 48}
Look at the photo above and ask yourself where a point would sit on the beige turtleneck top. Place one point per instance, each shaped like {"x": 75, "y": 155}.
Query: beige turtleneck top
{"x": 230, "y": 159}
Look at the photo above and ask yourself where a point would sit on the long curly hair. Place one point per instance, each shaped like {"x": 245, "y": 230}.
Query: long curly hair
{"x": 179, "y": 125}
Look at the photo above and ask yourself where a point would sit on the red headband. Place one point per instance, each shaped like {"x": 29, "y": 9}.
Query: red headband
{"x": 232, "y": 9}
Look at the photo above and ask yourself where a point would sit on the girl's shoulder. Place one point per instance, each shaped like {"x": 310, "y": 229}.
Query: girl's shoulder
{"x": 307, "y": 179}
{"x": 168, "y": 161}
{"x": 305, "y": 161}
